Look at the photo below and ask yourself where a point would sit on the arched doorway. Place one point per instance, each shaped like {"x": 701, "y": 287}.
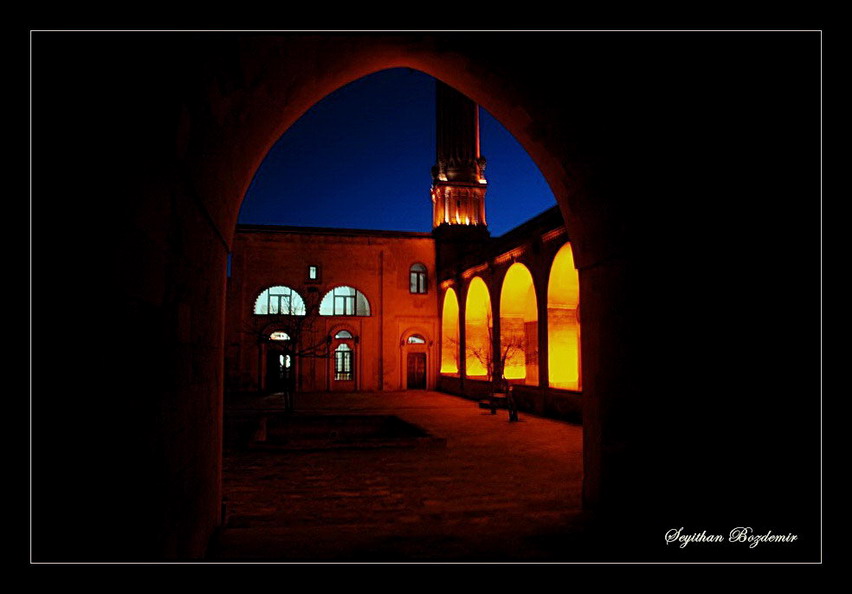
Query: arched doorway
{"x": 416, "y": 361}
{"x": 478, "y": 328}
{"x": 207, "y": 108}
{"x": 197, "y": 141}
{"x": 343, "y": 363}
{"x": 450, "y": 333}
{"x": 280, "y": 368}
{"x": 563, "y": 322}
{"x": 519, "y": 326}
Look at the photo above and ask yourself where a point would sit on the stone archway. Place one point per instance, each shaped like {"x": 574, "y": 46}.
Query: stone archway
{"x": 519, "y": 325}
{"x": 450, "y": 341}
{"x": 206, "y": 109}
{"x": 416, "y": 360}
{"x": 144, "y": 145}
{"x": 563, "y": 326}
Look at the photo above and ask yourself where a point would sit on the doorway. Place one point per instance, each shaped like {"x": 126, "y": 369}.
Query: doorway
{"x": 416, "y": 371}
{"x": 279, "y": 370}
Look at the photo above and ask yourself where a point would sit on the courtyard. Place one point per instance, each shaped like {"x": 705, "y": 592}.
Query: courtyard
{"x": 470, "y": 486}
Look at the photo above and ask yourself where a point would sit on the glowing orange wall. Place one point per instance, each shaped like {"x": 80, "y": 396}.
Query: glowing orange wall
{"x": 563, "y": 324}
{"x": 377, "y": 265}
{"x": 450, "y": 333}
{"x": 477, "y": 329}
{"x": 519, "y": 325}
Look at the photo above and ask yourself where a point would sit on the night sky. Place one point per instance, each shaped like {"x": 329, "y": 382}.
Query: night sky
{"x": 361, "y": 159}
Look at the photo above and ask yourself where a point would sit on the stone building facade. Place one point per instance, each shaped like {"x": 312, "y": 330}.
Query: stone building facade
{"x": 515, "y": 298}
{"x": 321, "y": 309}
{"x": 331, "y": 309}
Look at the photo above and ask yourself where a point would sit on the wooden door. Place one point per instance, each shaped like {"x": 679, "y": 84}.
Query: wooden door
{"x": 416, "y": 371}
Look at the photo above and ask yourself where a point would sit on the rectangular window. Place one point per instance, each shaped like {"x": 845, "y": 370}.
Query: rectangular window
{"x": 313, "y": 273}
{"x": 279, "y": 304}
{"x": 343, "y": 365}
{"x": 417, "y": 282}
{"x": 344, "y": 305}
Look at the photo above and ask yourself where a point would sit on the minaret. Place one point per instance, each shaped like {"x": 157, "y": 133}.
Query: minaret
{"x": 458, "y": 177}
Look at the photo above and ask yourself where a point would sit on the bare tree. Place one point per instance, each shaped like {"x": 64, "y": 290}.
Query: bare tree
{"x": 305, "y": 337}
{"x": 511, "y": 346}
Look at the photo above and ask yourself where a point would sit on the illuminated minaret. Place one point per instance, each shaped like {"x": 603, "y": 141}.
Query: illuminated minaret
{"x": 458, "y": 177}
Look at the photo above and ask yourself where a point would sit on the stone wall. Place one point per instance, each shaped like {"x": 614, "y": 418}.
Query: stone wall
{"x": 375, "y": 263}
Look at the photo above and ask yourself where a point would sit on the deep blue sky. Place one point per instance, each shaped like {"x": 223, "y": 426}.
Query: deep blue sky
{"x": 361, "y": 158}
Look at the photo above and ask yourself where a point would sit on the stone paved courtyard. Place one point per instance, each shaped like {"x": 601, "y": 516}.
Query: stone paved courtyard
{"x": 484, "y": 490}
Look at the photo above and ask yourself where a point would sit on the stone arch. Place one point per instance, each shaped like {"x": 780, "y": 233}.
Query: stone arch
{"x": 343, "y": 340}
{"x": 519, "y": 325}
{"x": 352, "y": 329}
{"x": 279, "y": 300}
{"x": 478, "y": 329}
{"x": 270, "y": 118}
{"x": 269, "y": 347}
{"x": 450, "y": 345}
{"x": 416, "y": 332}
{"x": 344, "y": 300}
{"x": 208, "y": 109}
{"x": 563, "y": 322}
{"x": 416, "y": 369}
{"x": 205, "y": 105}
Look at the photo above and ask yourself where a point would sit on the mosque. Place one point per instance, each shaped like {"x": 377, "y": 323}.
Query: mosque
{"x": 684, "y": 258}
{"x": 322, "y": 309}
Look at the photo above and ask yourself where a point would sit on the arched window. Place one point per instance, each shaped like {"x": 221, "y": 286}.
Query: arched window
{"x": 343, "y": 363}
{"x": 279, "y": 300}
{"x": 279, "y": 336}
{"x": 344, "y": 301}
{"x": 343, "y": 334}
{"x": 417, "y": 279}
{"x": 416, "y": 339}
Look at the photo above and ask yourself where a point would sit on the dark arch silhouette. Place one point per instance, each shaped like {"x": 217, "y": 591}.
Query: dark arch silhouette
{"x": 653, "y": 145}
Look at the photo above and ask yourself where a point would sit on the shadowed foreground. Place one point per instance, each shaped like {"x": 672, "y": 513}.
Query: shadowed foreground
{"x": 475, "y": 488}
